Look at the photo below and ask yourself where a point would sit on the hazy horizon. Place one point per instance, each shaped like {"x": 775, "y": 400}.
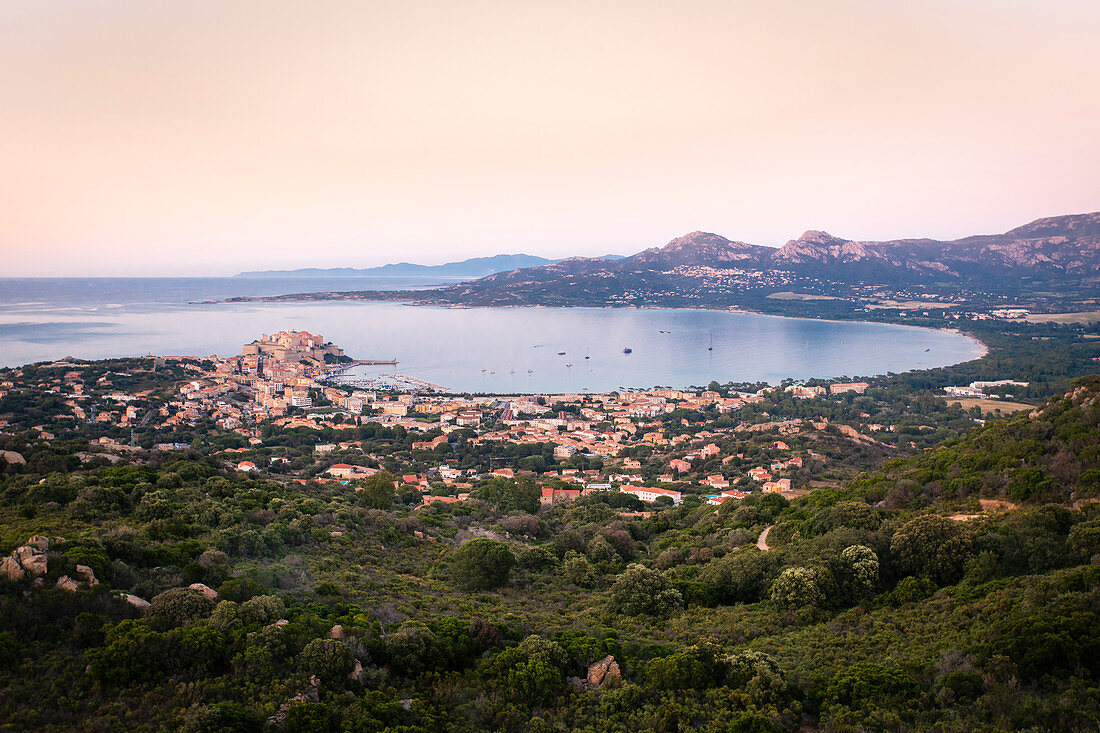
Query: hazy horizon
{"x": 151, "y": 138}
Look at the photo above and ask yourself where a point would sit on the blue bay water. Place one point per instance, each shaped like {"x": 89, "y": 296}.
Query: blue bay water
{"x": 465, "y": 349}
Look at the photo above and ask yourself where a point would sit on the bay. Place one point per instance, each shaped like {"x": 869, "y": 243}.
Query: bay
{"x": 497, "y": 350}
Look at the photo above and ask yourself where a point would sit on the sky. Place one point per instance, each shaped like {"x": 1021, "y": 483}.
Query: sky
{"x": 206, "y": 137}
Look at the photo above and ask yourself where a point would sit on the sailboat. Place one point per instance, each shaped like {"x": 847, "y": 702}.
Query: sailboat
{"x": 711, "y": 347}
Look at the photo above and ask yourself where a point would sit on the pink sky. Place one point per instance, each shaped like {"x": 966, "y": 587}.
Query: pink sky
{"x": 203, "y": 137}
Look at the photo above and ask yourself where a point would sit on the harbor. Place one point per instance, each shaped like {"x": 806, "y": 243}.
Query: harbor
{"x": 391, "y": 382}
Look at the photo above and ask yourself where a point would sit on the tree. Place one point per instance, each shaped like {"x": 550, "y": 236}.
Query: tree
{"x": 1084, "y": 540}
{"x": 759, "y": 675}
{"x": 329, "y": 659}
{"x": 537, "y": 558}
{"x": 221, "y": 717}
{"x": 510, "y": 496}
{"x": 411, "y": 648}
{"x": 125, "y": 656}
{"x": 215, "y": 566}
{"x": 568, "y": 540}
{"x": 643, "y": 591}
{"x": 10, "y": 650}
{"x": 858, "y": 572}
{"x": 377, "y": 491}
{"x": 579, "y": 571}
{"x": 865, "y": 682}
{"x": 240, "y": 589}
{"x": 855, "y": 514}
{"x": 696, "y": 668}
{"x": 1055, "y": 637}
{"x": 741, "y": 577}
{"x": 932, "y": 547}
{"x": 309, "y": 717}
{"x": 175, "y": 607}
{"x": 482, "y": 564}
{"x": 600, "y": 551}
{"x": 797, "y": 588}
{"x": 534, "y": 671}
{"x": 262, "y": 610}
{"x": 542, "y": 675}
{"x": 93, "y": 557}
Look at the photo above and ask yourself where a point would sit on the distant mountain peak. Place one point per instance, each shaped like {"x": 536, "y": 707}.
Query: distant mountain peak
{"x": 695, "y": 248}
{"x": 815, "y": 244}
{"x": 697, "y": 236}
{"x": 817, "y": 236}
{"x": 1075, "y": 225}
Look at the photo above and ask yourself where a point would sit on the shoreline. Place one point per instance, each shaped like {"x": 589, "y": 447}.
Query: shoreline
{"x": 982, "y": 346}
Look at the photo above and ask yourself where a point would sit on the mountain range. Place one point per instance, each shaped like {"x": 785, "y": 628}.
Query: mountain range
{"x": 1062, "y": 250}
{"x": 1051, "y": 258}
{"x": 473, "y": 267}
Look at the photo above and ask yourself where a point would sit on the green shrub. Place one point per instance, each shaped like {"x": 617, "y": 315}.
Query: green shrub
{"x": 329, "y": 659}
{"x": 177, "y": 606}
{"x": 864, "y": 683}
{"x": 483, "y": 564}
{"x": 225, "y": 717}
{"x": 240, "y": 589}
{"x": 798, "y": 588}
{"x": 642, "y": 591}
{"x": 932, "y": 547}
{"x": 309, "y": 717}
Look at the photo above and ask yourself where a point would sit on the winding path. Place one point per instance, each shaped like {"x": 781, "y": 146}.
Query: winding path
{"x": 762, "y": 540}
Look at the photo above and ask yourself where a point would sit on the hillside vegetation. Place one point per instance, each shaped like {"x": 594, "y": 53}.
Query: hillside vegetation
{"x": 899, "y": 602}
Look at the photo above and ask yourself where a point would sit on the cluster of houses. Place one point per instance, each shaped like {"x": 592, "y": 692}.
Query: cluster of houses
{"x": 688, "y": 454}
{"x": 978, "y": 389}
{"x": 806, "y": 392}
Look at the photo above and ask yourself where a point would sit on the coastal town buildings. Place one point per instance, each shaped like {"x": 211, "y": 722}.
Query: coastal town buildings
{"x": 657, "y": 445}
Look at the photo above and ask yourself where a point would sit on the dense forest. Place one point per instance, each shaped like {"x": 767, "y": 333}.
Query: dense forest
{"x": 954, "y": 589}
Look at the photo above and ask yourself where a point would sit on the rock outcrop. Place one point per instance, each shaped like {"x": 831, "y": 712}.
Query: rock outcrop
{"x": 603, "y": 672}
{"x": 67, "y": 583}
{"x": 27, "y": 559}
{"x": 32, "y": 560}
{"x": 88, "y": 574}
{"x": 310, "y": 695}
{"x": 139, "y": 603}
{"x": 205, "y": 590}
{"x": 10, "y": 567}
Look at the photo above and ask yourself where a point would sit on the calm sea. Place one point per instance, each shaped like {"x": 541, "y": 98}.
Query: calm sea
{"x": 476, "y": 349}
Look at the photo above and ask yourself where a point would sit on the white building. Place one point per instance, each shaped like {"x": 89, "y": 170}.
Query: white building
{"x": 651, "y": 495}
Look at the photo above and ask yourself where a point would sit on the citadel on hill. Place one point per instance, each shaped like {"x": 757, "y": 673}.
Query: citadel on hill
{"x": 293, "y": 346}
